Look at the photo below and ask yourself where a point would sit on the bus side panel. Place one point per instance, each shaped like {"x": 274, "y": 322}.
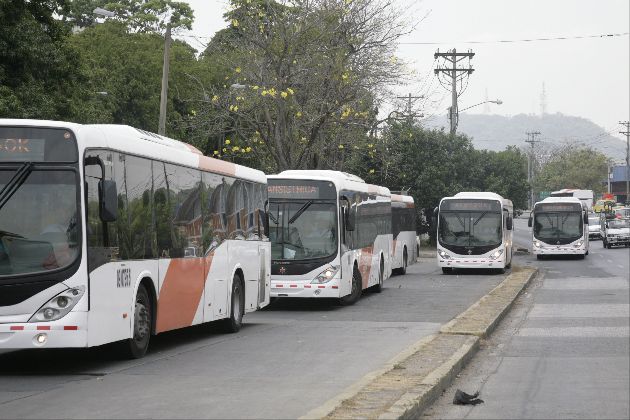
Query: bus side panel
{"x": 347, "y": 268}
{"x": 112, "y": 293}
{"x": 244, "y": 254}
{"x": 216, "y": 286}
{"x": 181, "y": 293}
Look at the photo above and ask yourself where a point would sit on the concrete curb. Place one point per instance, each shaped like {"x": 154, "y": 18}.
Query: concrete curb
{"x": 427, "y": 254}
{"x": 410, "y": 382}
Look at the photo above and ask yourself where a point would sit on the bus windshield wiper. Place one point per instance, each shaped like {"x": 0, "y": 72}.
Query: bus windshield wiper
{"x": 272, "y": 217}
{"x": 15, "y": 183}
{"x": 300, "y": 211}
{"x": 481, "y": 216}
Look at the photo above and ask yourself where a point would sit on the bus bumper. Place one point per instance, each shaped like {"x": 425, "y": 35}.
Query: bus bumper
{"x": 295, "y": 289}
{"x": 559, "y": 250}
{"x": 471, "y": 262}
{"x": 69, "y": 331}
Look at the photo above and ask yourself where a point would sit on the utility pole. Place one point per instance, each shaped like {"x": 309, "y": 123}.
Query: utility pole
{"x": 627, "y": 134}
{"x": 531, "y": 139}
{"x": 410, "y": 113}
{"x": 164, "y": 95}
{"x": 450, "y": 70}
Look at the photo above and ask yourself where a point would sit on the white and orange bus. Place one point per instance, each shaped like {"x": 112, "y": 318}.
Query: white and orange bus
{"x": 405, "y": 245}
{"x": 330, "y": 235}
{"x": 109, "y": 233}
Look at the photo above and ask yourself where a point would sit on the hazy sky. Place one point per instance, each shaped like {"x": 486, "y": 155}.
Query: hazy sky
{"x": 583, "y": 77}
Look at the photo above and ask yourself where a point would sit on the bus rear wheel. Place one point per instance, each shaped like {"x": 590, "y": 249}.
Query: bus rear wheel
{"x": 381, "y": 278}
{"x": 136, "y": 346}
{"x": 403, "y": 270}
{"x": 355, "y": 292}
{"x": 235, "y": 321}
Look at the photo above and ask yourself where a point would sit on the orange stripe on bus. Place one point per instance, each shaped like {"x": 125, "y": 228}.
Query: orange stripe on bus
{"x": 365, "y": 265}
{"x": 215, "y": 165}
{"x": 180, "y": 294}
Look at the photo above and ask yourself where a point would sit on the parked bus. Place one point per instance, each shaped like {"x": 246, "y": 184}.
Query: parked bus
{"x": 109, "y": 233}
{"x": 560, "y": 227}
{"x": 474, "y": 231}
{"x": 330, "y": 235}
{"x": 405, "y": 245}
{"x": 586, "y": 196}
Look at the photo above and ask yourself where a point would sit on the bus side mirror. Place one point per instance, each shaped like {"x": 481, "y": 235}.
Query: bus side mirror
{"x": 529, "y": 221}
{"x": 349, "y": 216}
{"x": 585, "y": 219}
{"x": 508, "y": 223}
{"x": 108, "y": 200}
{"x": 434, "y": 218}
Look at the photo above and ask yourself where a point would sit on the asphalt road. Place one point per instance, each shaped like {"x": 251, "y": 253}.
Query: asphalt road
{"x": 563, "y": 351}
{"x": 287, "y": 359}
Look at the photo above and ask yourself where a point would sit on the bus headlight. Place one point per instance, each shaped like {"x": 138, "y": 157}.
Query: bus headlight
{"x": 536, "y": 244}
{"x": 578, "y": 244}
{"x": 59, "y": 306}
{"x": 327, "y": 275}
{"x": 496, "y": 254}
{"x": 444, "y": 255}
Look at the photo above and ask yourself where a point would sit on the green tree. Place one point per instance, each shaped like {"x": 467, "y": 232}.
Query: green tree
{"x": 573, "y": 167}
{"x": 39, "y": 72}
{"x": 152, "y": 15}
{"x": 301, "y": 78}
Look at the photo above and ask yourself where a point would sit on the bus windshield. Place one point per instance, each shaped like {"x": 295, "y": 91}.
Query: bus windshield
{"x": 302, "y": 229}
{"x": 560, "y": 227}
{"x": 470, "y": 228}
{"x": 38, "y": 222}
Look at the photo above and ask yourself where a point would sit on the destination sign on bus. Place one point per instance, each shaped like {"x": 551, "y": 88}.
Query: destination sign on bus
{"x": 301, "y": 189}
{"x": 470, "y": 205}
{"x": 28, "y": 144}
{"x": 557, "y": 207}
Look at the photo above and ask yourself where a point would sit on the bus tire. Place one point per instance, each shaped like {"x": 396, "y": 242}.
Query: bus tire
{"x": 508, "y": 266}
{"x": 355, "y": 292}
{"x": 403, "y": 269}
{"x": 235, "y": 321}
{"x": 447, "y": 270}
{"x": 609, "y": 246}
{"x": 381, "y": 277}
{"x": 136, "y": 346}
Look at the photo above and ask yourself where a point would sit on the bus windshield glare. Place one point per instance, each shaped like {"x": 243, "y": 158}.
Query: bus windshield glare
{"x": 558, "y": 223}
{"x": 470, "y": 223}
{"x": 38, "y": 200}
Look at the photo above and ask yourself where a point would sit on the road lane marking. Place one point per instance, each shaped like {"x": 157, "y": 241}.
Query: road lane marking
{"x": 611, "y": 310}
{"x": 576, "y": 332}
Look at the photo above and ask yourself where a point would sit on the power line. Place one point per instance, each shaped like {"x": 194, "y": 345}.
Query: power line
{"x": 507, "y": 41}
{"x": 451, "y": 71}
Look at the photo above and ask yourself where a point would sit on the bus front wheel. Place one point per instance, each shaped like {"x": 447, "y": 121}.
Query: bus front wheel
{"x": 235, "y": 321}
{"x": 447, "y": 270}
{"x": 355, "y": 292}
{"x": 136, "y": 347}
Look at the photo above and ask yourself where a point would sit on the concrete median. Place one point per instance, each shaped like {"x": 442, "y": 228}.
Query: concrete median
{"x": 410, "y": 382}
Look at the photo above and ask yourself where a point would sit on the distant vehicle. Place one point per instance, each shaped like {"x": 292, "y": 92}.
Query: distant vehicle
{"x": 593, "y": 226}
{"x": 474, "y": 231}
{"x": 586, "y": 196}
{"x": 601, "y": 205}
{"x": 405, "y": 246}
{"x": 616, "y": 232}
{"x": 560, "y": 227}
{"x": 331, "y": 235}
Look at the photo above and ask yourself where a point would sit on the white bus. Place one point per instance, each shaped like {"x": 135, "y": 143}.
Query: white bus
{"x": 586, "y": 196}
{"x": 109, "y": 233}
{"x": 474, "y": 231}
{"x": 405, "y": 245}
{"x": 560, "y": 227}
{"x": 330, "y": 235}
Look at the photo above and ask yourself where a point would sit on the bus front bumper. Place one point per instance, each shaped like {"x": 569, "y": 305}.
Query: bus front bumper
{"x": 301, "y": 289}
{"x": 558, "y": 250}
{"x": 472, "y": 262}
{"x": 69, "y": 331}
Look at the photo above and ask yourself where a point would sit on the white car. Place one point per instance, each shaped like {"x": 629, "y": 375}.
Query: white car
{"x": 617, "y": 232}
{"x": 593, "y": 226}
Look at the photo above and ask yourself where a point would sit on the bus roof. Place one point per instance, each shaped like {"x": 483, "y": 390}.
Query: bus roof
{"x": 402, "y": 198}
{"x": 342, "y": 180}
{"x": 481, "y": 195}
{"x": 131, "y": 140}
{"x": 560, "y": 200}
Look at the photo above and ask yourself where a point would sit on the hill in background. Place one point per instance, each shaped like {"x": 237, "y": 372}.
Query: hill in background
{"x": 495, "y": 132}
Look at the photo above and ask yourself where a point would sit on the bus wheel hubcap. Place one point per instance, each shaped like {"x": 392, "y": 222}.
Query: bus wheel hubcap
{"x": 141, "y": 326}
